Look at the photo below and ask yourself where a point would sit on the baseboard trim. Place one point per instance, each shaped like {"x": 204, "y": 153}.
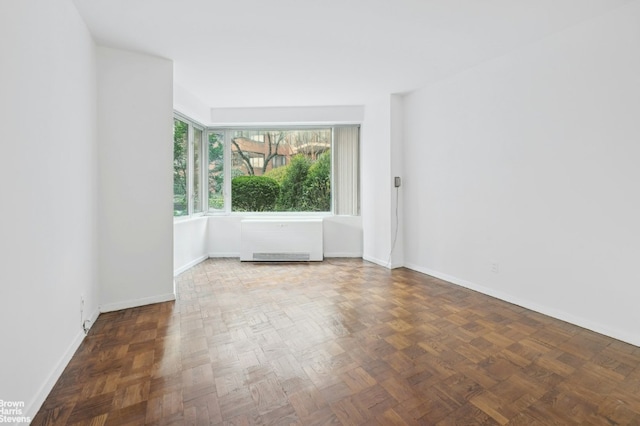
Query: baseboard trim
{"x": 545, "y": 310}
{"x": 189, "y": 265}
{"x": 117, "y": 306}
{"x": 237, "y": 255}
{"x": 93, "y": 318}
{"x": 34, "y": 406}
{"x": 224, "y": 254}
{"x": 343, "y": 254}
{"x": 396, "y": 265}
{"x": 383, "y": 263}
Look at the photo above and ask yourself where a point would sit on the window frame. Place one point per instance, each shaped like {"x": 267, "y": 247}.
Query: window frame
{"x": 228, "y": 130}
{"x": 227, "y": 167}
{"x": 191, "y": 193}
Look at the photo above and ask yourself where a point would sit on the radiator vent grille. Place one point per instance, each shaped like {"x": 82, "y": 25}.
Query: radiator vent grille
{"x": 281, "y": 257}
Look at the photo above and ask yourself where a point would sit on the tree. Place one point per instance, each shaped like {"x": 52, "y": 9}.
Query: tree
{"x": 306, "y": 181}
{"x": 272, "y": 140}
{"x": 317, "y": 185}
{"x": 180, "y": 148}
{"x": 292, "y": 188}
{"x": 311, "y": 143}
{"x": 216, "y": 170}
{"x": 278, "y": 173}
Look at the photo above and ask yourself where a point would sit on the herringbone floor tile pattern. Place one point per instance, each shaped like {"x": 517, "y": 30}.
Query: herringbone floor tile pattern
{"x": 340, "y": 342}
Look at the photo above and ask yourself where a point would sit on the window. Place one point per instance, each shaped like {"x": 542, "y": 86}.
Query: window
{"x": 300, "y": 169}
{"x": 279, "y": 161}
{"x": 180, "y": 173}
{"x": 256, "y": 159}
{"x": 197, "y": 171}
{"x": 303, "y": 185}
{"x": 188, "y": 171}
{"x": 216, "y": 171}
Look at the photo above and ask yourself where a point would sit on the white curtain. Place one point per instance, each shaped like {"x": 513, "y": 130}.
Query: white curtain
{"x": 346, "y": 172}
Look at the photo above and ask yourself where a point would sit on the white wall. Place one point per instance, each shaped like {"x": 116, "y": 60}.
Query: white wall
{"x": 48, "y": 208}
{"x": 530, "y": 161}
{"x": 342, "y": 236}
{"x": 135, "y": 116}
{"x": 397, "y": 169}
{"x": 376, "y": 180}
{"x": 344, "y": 114}
{"x": 223, "y": 236}
{"x": 382, "y": 159}
{"x": 190, "y": 105}
{"x": 189, "y": 243}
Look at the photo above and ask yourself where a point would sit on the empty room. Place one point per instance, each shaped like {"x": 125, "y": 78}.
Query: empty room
{"x": 302, "y": 213}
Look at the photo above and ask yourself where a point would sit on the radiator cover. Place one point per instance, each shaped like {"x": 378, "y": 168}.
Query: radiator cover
{"x": 281, "y": 240}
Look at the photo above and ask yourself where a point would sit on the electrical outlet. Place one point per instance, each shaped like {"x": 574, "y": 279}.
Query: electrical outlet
{"x": 85, "y": 323}
{"x": 495, "y": 267}
{"x": 397, "y": 181}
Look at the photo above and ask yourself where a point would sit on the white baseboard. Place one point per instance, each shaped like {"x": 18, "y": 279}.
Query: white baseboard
{"x": 237, "y": 255}
{"x": 92, "y": 318}
{"x": 34, "y": 406}
{"x": 395, "y": 265}
{"x": 384, "y": 263}
{"x": 225, "y": 254}
{"x": 189, "y": 265}
{"x": 343, "y": 254}
{"x": 633, "y": 339}
{"x": 110, "y": 307}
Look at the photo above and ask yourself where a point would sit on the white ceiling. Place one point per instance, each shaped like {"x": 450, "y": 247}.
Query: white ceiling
{"x": 250, "y": 53}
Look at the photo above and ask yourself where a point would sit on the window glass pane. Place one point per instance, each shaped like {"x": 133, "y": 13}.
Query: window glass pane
{"x": 180, "y": 155}
{"x": 216, "y": 171}
{"x": 197, "y": 170}
{"x": 281, "y": 170}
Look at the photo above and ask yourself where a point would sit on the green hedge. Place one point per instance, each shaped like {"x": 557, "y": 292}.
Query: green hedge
{"x": 254, "y": 193}
{"x": 292, "y": 187}
{"x": 317, "y": 185}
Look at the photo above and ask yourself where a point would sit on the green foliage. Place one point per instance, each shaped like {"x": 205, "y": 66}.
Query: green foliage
{"x": 216, "y": 171}
{"x": 292, "y": 188}
{"x": 235, "y": 172}
{"x": 180, "y": 147}
{"x": 278, "y": 173}
{"x": 254, "y": 193}
{"x": 317, "y": 185}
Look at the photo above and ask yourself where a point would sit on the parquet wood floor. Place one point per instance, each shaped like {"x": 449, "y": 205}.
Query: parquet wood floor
{"x": 340, "y": 342}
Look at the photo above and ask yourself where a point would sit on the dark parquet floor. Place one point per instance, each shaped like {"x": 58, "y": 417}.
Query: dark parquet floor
{"x": 340, "y": 342}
